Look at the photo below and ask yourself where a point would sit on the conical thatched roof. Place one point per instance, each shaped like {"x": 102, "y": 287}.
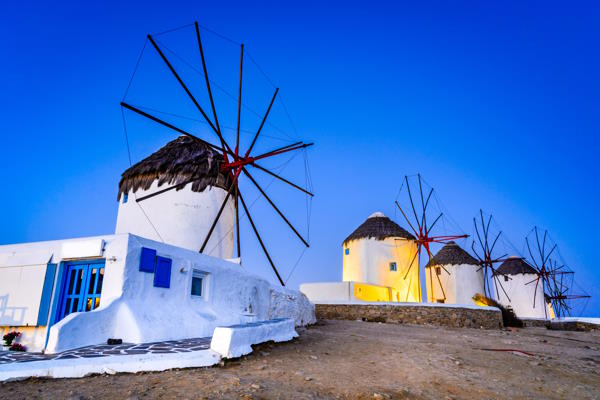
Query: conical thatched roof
{"x": 379, "y": 227}
{"x": 515, "y": 265}
{"x": 179, "y": 161}
{"x": 451, "y": 254}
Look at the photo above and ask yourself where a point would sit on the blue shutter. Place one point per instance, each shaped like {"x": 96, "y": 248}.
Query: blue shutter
{"x": 147, "y": 260}
{"x": 162, "y": 275}
{"x": 46, "y": 295}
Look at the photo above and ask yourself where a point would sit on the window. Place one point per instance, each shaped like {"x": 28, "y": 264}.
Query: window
{"x": 198, "y": 279}
{"x": 82, "y": 287}
{"x": 393, "y": 266}
{"x": 125, "y": 197}
{"x": 347, "y": 251}
{"x": 438, "y": 271}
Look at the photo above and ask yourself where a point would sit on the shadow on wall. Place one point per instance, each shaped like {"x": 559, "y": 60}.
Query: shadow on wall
{"x": 11, "y": 315}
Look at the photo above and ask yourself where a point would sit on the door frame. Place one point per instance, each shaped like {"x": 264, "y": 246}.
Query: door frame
{"x": 63, "y": 280}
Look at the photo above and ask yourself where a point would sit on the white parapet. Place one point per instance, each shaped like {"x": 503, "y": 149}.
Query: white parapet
{"x": 237, "y": 340}
{"x": 80, "y": 367}
{"x": 327, "y": 291}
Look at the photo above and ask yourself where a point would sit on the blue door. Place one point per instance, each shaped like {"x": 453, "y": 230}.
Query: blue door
{"x": 81, "y": 287}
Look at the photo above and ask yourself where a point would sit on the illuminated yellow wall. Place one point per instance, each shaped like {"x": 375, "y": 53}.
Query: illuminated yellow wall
{"x": 368, "y": 261}
{"x": 551, "y": 314}
{"x": 366, "y": 292}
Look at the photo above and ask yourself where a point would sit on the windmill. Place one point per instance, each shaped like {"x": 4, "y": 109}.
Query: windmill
{"x": 235, "y": 163}
{"x": 554, "y": 276}
{"x": 484, "y": 247}
{"x": 421, "y": 226}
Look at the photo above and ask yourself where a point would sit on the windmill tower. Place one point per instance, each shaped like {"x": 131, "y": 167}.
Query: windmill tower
{"x": 554, "y": 277}
{"x": 422, "y": 226}
{"x": 526, "y": 300}
{"x": 378, "y": 252}
{"x": 460, "y": 276}
{"x": 180, "y": 217}
{"x": 188, "y": 193}
{"x": 485, "y": 248}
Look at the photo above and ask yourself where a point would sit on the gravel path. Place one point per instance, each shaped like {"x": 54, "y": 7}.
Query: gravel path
{"x": 361, "y": 360}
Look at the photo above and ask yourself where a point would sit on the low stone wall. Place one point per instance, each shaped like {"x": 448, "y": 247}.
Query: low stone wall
{"x": 455, "y": 317}
{"x": 579, "y": 326}
{"x": 534, "y": 322}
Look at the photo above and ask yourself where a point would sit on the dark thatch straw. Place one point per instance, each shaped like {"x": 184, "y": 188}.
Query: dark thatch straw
{"x": 179, "y": 161}
{"x": 514, "y": 266}
{"x": 379, "y": 228}
{"x": 451, "y": 254}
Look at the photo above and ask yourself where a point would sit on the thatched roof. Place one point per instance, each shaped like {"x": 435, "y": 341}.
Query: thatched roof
{"x": 515, "y": 265}
{"x": 379, "y": 227}
{"x": 451, "y": 254}
{"x": 179, "y": 161}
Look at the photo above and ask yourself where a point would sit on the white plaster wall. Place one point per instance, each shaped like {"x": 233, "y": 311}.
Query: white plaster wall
{"x": 132, "y": 309}
{"x": 369, "y": 259}
{"x": 328, "y": 291}
{"x": 459, "y": 284}
{"x": 20, "y": 294}
{"x": 27, "y": 290}
{"x": 521, "y": 296}
{"x": 181, "y": 218}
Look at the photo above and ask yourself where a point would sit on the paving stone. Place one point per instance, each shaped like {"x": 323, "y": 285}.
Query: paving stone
{"x": 97, "y": 351}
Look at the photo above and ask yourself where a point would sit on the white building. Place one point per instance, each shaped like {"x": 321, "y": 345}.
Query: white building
{"x": 180, "y": 217}
{"x": 518, "y": 280}
{"x": 70, "y": 293}
{"x": 453, "y": 276}
{"x": 376, "y": 259}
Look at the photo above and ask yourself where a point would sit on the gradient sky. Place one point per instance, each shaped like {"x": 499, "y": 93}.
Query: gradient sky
{"x": 495, "y": 104}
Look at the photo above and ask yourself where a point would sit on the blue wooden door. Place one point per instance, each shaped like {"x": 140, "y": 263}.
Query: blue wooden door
{"x": 82, "y": 287}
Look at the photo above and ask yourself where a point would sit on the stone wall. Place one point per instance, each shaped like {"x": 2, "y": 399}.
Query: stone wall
{"x": 534, "y": 322}
{"x": 572, "y": 326}
{"x": 455, "y": 317}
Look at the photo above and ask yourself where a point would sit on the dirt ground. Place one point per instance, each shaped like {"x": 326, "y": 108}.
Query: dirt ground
{"x": 363, "y": 360}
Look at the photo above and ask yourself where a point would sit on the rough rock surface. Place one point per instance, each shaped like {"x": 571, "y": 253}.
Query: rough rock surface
{"x": 361, "y": 360}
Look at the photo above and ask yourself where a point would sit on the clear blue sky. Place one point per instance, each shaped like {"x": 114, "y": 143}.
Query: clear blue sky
{"x": 495, "y": 104}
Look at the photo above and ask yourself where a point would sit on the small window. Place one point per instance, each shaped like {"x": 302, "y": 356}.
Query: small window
{"x": 393, "y": 266}
{"x": 125, "y": 197}
{"x": 438, "y": 270}
{"x": 198, "y": 279}
{"x": 347, "y": 251}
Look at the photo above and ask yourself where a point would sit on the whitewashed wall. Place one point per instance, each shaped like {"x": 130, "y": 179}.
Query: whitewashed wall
{"x": 459, "y": 284}
{"x": 521, "y": 296}
{"x": 132, "y": 309}
{"x": 368, "y": 262}
{"x": 22, "y": 270}
{"x": 181, "y": 218}
{"x": 328, "y": 291}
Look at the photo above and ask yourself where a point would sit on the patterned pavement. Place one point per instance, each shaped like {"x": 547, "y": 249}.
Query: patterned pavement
{"x": 104, "y": 350}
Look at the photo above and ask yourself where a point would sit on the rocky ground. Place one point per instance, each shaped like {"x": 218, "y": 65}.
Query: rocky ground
{"x": 363, "y": 360}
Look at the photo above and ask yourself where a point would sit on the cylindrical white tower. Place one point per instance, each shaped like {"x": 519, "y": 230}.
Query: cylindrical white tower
{"x": 453, "y": 276}
{"x": 379, "y": 252}
{"x": 183, "y": 216}
{"x": 523, "y": 295}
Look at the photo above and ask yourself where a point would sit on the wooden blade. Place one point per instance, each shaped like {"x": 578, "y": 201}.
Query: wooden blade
{"x": 260, "y": 240}
{"x": 275, "y": 207}
{"x": 255, "y": 165}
